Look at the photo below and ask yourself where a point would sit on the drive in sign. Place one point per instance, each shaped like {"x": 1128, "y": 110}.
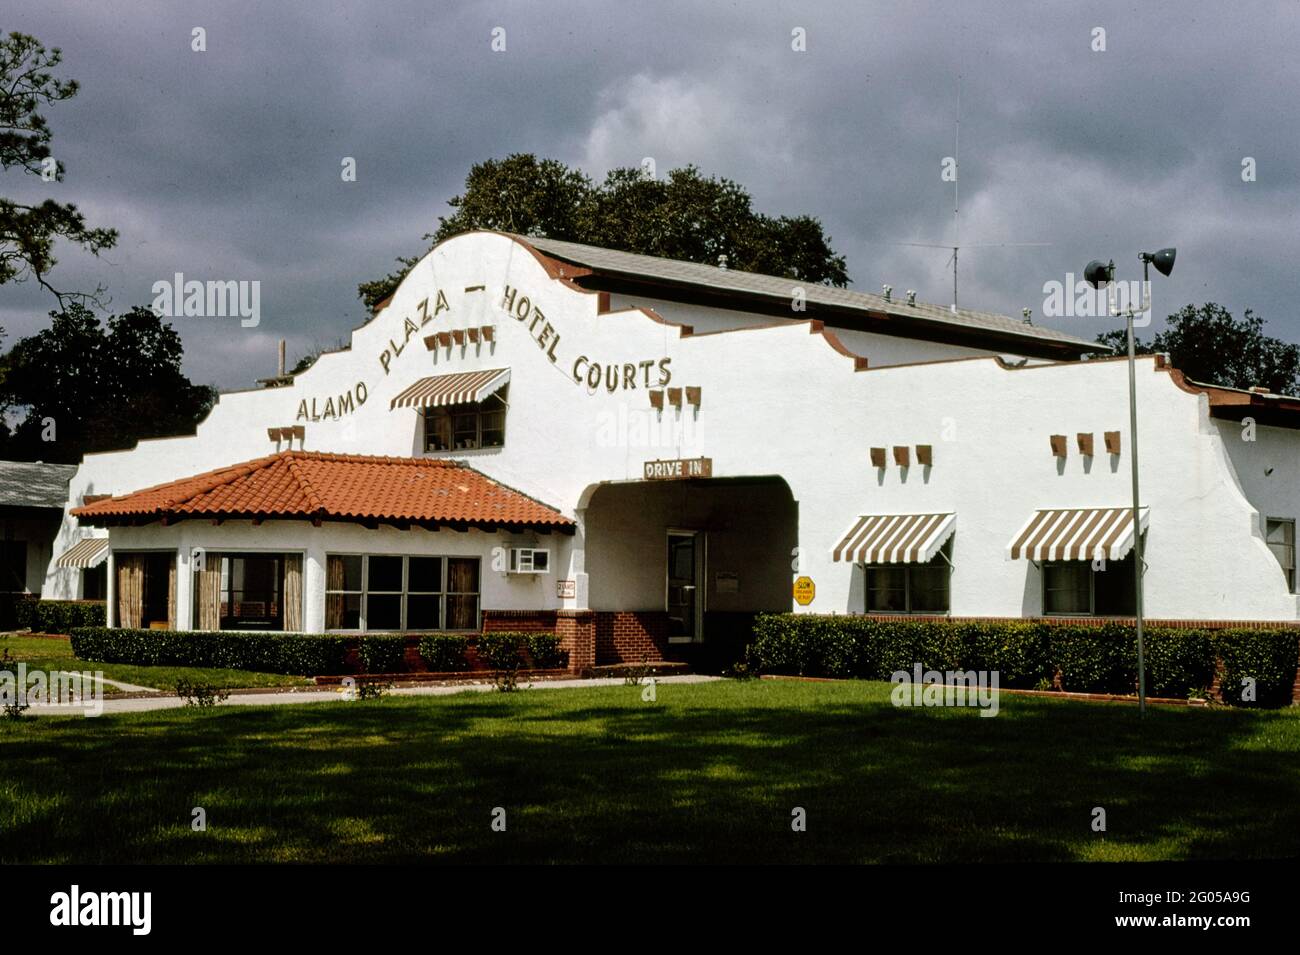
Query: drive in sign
{"x": 678, "y": 469}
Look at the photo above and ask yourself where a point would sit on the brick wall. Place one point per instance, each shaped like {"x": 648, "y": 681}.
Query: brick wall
{"x": 577, "y": 632}
{"x": 524, "y": 621}
{"x": 630, "y": 636}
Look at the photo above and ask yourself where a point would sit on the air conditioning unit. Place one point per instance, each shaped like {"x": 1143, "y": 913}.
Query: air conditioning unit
{"x": 529, "y": 560}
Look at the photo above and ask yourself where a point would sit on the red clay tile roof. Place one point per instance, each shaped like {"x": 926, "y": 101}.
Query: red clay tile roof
{"x": 318, "y": 486}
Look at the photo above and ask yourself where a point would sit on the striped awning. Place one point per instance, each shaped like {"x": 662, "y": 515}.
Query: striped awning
{"x": 457, "y": 388}
{"x": 85, "y": 554}
{"x": 895, "y": 538}
{"x": 1079, "y": 533}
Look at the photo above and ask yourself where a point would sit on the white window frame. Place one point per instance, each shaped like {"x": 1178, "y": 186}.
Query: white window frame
{"x": 406, "y": 591}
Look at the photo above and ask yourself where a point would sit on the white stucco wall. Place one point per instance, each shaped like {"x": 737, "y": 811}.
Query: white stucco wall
{"x": 776, "y": 400}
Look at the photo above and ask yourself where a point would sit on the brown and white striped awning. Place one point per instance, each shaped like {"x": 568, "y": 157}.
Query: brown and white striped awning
{"x": 85, "y": 554}
{"x": 895, "y": 538}
{"x": 456, "y": 388}
{"x": 1079, "y": 533}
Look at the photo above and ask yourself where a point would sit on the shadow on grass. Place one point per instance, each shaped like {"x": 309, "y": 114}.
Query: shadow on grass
{"x": 706, "y": 773}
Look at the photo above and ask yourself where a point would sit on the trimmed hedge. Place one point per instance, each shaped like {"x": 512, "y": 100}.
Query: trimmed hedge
{"x": 444, "y": 652}
{"x": 1089, "y": 659}
{"x": 382, "y": 653}
{"x": 1101, "y": 659}
{"x": 293, "y": 653}
{"x": 1018, "y": 651}
{"x": 500, "y": 651}
{"x": 544, "y": 649}
{"x": 505, "y": 650}
{"x": 59, "y": 616}
{"x": 1269, "y": 657}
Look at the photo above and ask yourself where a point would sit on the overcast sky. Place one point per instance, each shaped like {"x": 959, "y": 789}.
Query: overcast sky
{"x": 225, "y": 164}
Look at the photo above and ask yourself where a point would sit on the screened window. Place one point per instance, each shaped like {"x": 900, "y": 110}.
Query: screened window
{"x": 387, "y": 592}
{"x": 467, "y": 427}
{"x": 1280, "y": 534}
{"x": 253, "y": 591}
{"x": 909, "y": 588}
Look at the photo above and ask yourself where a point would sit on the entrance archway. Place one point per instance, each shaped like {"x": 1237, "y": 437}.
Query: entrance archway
{"x": 678, "y": 569}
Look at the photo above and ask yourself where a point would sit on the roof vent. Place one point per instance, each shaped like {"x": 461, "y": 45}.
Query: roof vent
{"x": 887, "y": 290}
{"x": 1259, "y": 390}
{"x": 722, "y": 262}
{"x": 1027, "y": 315}
{"x": 911, "y": 296}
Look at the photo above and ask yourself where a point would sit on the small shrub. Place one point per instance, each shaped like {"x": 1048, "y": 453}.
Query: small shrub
{"x": 373, "y": 689}
{"x": 444, "y": 652}
{"x": 13, "y": 709}
{"x": 740, "y": 670}
{"x": 635, "y": 675}
{"x": 202, "y": 695}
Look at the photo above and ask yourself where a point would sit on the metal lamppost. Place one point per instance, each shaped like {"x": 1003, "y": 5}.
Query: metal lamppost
{"x": 1099, "y": 274}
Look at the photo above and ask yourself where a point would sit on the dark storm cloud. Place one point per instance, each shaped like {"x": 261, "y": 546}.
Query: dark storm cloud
{"x": 225, "y": 164}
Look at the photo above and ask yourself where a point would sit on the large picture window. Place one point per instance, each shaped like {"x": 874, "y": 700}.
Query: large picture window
{"x": 379, "y": 592}
{"x": 467, "y": 427}
{"x": 1074, "y": 588}
{"x": 909, "y": 588}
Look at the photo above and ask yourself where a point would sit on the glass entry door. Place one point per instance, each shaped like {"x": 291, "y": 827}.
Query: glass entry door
{"x": 685, "y": 572}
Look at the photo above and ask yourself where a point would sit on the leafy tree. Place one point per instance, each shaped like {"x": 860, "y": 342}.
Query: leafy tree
{"x": 102, "y": 388}
{"x": 685, "y": 216}
{"x": 1210, "y": 346}
{"x": 28, "y": 232}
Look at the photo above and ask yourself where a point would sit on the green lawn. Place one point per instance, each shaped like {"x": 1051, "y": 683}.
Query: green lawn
{"x": 55, "y": 653}
{"x": 706, "y": 773}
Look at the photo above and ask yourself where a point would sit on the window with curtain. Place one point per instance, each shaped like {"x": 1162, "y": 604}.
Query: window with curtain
{"x": 381, "y": 592}
{"x": 146, "y": 589}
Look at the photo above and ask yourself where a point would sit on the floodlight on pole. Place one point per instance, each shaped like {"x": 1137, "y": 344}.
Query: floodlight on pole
{"x": 1099, "y": 274}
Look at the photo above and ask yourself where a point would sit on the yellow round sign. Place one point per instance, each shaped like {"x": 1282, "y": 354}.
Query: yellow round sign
{"x": 804, "y": 591}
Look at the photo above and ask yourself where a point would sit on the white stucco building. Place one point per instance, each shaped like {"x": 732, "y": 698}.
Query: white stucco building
{"x": 649, "y": 451}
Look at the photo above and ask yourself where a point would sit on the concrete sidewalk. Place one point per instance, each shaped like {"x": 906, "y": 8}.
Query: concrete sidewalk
{"x": 296, "y": 695}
